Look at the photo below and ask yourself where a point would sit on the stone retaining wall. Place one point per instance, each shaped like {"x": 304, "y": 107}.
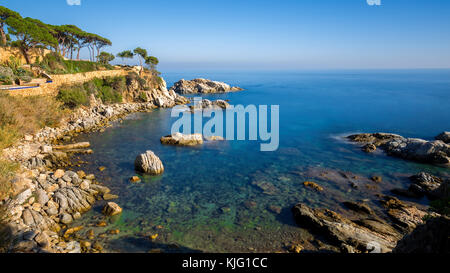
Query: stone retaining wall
{"x": 59, "y": 80}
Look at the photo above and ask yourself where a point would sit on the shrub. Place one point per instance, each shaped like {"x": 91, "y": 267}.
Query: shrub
{"x": 7, "y": 76}
{"x": 108, "y": 95}
{"x": 54, "y": 63}
{"x": 109, "y": 90}
{"x": 143, "y": 97}
{"x": 73, "y": 96}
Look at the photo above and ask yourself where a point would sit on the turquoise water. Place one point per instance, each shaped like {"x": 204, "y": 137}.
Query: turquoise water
{"x": 208, "y": 198}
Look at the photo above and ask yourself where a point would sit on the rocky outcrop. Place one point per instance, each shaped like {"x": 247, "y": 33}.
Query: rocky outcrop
{"x": 425, "y": 184}
{"x": 431, "y": 237}
{"x": 405, "y": 217}
{"x": 363, "y": 229}
{"x": 182, "y": 140}
{"x": 144, "y": 89}
{"x": 344, "y": 233}
{"x": 432, "y": 152}
{"x": 149, "y": 163}
{"x": 208, "y": 105}
{"x": 202, "y": 86}
{"x": 444, "y": 137}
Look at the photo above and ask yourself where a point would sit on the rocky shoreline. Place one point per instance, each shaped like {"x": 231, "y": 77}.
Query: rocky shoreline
{"x": 46, "y": 198}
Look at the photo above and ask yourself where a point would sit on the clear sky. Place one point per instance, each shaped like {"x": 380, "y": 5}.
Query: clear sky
{"x": 259, "y": 34}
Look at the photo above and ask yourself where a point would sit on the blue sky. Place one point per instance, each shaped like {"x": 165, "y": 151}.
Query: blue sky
{"x": 248, "y": 34}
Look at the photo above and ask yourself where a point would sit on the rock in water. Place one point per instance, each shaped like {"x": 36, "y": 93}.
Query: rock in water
{"x": 111, "y": 209}
{"x": 210, "y": 105}
{"x": 202, "y": 86}
{"x": 432, "y": 152}
{"x": 342, "y": 231}
{"x": 445, "y": 137}
{"x": 182, "y": 140}
{"x": 149, "y": 163}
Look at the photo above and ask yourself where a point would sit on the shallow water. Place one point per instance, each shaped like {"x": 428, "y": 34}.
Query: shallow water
{"x": 207, "y": 199}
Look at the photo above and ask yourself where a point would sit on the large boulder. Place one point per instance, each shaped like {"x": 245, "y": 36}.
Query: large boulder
{"x": 202, "y": 86}
{"x": 149, "y": 163}
{"x": 111, "y": 209}
{"x": 182, "y": 140}
{"x": 425, "y": 184}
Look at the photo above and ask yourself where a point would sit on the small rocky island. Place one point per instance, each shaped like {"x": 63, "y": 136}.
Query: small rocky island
{"x": 202, "y": 86}
{"x": 435, "y": 152}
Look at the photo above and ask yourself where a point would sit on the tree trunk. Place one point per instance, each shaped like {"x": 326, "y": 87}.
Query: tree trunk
{"x": 25, "y": 54}
{"x": 78, "y": 53}
{"x": 3, "y": 34}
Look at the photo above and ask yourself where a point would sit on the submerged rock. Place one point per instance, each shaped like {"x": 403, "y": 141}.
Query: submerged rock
{"x": 182, "y": 140}
{"x": 313, "y": 185}
{"x": 111, "y": 209}
{"x": 202, "y": 86}
{"x": 149, "y": 163}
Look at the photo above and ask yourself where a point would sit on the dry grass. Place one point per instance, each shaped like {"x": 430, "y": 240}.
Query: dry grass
{"x": 20, "y": 116}
{"x": 7, "y": 170}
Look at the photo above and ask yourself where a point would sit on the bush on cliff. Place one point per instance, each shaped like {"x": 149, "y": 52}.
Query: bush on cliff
{"x": 73, "y": 96}
{"x": 108, "y": 90}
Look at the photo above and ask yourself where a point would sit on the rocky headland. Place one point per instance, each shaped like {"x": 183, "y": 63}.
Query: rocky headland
{"x": 202, "y": 86}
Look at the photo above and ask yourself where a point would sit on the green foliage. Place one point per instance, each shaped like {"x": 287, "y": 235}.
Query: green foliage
{"x": 151, "y": 61}
{"x": 6, "y": 13}
{"x": 108, "y": 95}
{"x": 7, "y": 76}
{"x": 54, "y": 63}
{"x": 127, "y": 54}
{"x": 143, "y": 97}
{"x": 73, "y": 96}
{"x": 30, "y": 33}
{"x": 142, "y": 53}
{"x": 109, "y": 90}
{"x": 105, "y": 57}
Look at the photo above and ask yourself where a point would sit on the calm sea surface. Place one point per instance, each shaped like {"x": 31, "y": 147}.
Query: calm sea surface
{"x": 225, "y": 196}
